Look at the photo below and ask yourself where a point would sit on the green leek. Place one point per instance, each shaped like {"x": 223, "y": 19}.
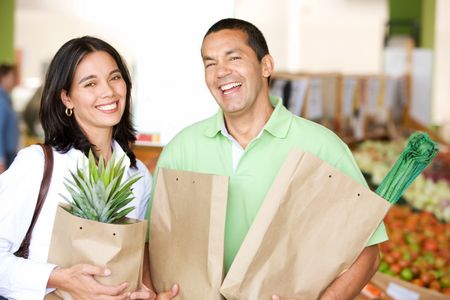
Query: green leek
{"x": 415, "y": 157}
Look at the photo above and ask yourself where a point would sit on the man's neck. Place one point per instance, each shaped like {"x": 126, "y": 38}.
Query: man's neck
{"x": 244, "y": 128}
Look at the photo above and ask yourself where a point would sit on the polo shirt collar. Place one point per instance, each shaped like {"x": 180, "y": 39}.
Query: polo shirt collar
{"x": 217, "y": 123}
{"x": 278, "y": 124}
{"x": 280, "y": 120}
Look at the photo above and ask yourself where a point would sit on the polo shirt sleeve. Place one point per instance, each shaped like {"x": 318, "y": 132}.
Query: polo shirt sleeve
{"x": 348, "y": 165}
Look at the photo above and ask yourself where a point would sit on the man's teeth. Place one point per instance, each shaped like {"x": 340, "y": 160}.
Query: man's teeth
{"x": 108, "y": 107}
{"x": 230, "y": 86}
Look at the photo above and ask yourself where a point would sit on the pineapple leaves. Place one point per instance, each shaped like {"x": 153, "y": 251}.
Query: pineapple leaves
{"x": 97, "y": 191}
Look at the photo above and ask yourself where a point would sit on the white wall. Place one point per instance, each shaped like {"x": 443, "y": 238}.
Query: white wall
{"x": 441, "y": 79}
{"x": 321, "y": 35}
{"x": 159, "y": 40}
{"x": 271, "y": 17}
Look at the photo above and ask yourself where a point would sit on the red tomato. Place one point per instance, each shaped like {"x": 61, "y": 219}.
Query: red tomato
{"x": 430, "y": 245}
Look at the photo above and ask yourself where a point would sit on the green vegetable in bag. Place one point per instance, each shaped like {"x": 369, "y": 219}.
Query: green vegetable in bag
{"x": 417, "y": 155}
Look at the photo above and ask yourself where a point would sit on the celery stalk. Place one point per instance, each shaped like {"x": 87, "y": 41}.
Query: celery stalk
{"x": 417, "y": 155}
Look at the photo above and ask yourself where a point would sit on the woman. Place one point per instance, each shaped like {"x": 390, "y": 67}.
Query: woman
{"x": 85, "y": 106}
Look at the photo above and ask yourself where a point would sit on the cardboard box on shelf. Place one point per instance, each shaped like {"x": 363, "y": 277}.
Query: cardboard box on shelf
{"x": 400, "y": 289}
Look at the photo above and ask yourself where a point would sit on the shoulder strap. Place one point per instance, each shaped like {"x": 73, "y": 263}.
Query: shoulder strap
{"x": 45, "y": 183}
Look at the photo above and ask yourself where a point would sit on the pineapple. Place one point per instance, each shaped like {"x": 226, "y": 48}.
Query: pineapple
{"x": 97, "y": 192}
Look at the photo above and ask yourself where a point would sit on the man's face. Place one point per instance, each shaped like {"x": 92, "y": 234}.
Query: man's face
{"x": 233, "y": 74}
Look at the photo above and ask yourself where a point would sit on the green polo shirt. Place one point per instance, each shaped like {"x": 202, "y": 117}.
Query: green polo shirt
{"x": 203, "y": 148}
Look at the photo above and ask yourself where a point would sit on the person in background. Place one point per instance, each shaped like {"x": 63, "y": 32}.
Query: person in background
{"x": 85, "y": 106}
{"x": 30, "y": 114}
{"x": 249, "y": 138}
{"x": 9, "y": 123}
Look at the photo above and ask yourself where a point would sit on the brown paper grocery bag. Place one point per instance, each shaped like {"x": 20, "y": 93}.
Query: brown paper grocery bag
{"x": 312, "y": 225}
{"x": 119, "y": 247}
{"x": 187, "y": 227}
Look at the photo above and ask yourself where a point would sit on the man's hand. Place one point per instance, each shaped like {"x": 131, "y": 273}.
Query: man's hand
{"x": 143, "y": 293}
{"x": 79, "y": 281}
{"x": 169, "y": 294}
{"x": 146, "y": 293}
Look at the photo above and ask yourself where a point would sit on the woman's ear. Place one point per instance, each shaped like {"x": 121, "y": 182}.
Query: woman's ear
{"x": 267, "y": 65}
{"x": 66, "y": 99}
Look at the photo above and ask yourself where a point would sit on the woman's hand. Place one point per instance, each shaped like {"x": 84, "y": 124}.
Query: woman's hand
{"x": 79, "y": 281}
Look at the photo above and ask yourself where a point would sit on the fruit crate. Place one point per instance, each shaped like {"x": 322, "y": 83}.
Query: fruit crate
{"x": 430, "y": 191}
{"x": 400, "y": 289}
{"x": 418, "y": 250}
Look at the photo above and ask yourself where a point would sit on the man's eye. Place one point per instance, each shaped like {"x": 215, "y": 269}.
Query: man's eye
{"x": 235, "y": 58}
{"x": 89, "y": 84}
{"x": 209, "y": 65}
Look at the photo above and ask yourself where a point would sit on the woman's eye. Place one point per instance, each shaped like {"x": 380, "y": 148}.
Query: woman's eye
{"x": 117, "y": 77}
{"x": 89, "y": 84}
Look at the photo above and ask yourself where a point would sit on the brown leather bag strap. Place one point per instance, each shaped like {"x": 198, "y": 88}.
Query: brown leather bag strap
{"x": 45, "y": 183}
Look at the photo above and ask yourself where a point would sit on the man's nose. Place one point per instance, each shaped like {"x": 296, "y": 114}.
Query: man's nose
{"x": 223, "y": 70}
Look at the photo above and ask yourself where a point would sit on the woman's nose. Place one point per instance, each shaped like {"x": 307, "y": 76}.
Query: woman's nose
{"x": 107, "y": 90}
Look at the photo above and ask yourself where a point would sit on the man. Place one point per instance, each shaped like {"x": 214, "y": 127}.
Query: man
{"x": 249, "y": 138}
{"x": 9, "y": 124}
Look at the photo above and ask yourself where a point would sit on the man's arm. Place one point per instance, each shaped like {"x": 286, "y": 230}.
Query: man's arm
{"x": 351, "y": 282}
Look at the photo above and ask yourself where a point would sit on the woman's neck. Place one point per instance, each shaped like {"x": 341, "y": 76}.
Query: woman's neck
{"x": 103, "y": 145}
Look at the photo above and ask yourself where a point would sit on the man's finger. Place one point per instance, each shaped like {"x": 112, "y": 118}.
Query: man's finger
{"x": 169, "y": 294}
{"x": 118, "y": 290}
{"x": 276, "y": 297}
{"x": 143, "y": 295}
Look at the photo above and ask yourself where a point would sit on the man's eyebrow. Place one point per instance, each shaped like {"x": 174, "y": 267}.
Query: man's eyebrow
{"x": 231, "y": 51}
{"x": 207, "y": 58}
{"x": 228, "y": 52}
{"x": 93, "y": 76}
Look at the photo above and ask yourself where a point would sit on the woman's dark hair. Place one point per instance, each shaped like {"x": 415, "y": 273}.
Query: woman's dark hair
{"x": 255, "y": 38}
{"x": 64, "y": 132}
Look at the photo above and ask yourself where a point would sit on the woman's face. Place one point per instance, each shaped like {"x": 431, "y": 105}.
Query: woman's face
{"x": 97, "y": 93}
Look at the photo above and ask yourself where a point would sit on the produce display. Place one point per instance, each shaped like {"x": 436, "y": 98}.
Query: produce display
{"x": 418, "y": 250}
{"x": 431, "y": 189}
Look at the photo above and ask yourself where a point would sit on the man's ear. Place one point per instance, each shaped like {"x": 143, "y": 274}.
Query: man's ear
{"x": 66, "y": 99}
{"x": 267, "y": 65}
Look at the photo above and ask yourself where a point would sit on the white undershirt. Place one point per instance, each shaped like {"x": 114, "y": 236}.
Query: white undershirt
{"x": 236, "y": 149}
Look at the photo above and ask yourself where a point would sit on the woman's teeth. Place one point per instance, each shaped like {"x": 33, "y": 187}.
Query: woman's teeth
{"x": 108, "y": 107}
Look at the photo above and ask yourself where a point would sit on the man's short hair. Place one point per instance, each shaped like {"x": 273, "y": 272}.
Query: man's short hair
{"x": 255, "y": 38}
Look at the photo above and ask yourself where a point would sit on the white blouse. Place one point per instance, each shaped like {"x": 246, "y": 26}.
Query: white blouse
{"x": 19, "y": 186}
